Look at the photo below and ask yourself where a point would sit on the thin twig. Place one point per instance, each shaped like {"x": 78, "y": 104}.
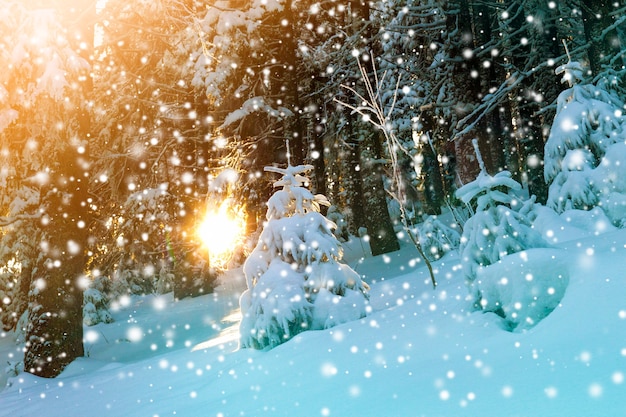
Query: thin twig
{"x": 374, "y": 107}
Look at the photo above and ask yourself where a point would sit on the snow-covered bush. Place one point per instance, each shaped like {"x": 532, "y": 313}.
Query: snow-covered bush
{"x": 437, "y": 238}
{"x": 13, "y": 369}
{"x": 96, "y": 302}
{"x": 128, "y": 281}
{"x": 609, "y": 178}
{"x": 138, "y": 239}
{"x": 95, "y": 308}
{"x": 341, "y": 231}
{"x": 585, "y": 151}
{"x": 523, "y": 287}
{"x": 19, "y": 248}
{"x": 294, "y": 276}
{"x": 9, "y": 282}
{"x": 164, "y": 281}
{"x": 496, "y": 241}
{"x": 501, "y": 224}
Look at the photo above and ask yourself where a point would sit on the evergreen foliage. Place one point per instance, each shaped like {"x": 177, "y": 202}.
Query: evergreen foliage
{"x": 294, "y": 276}
{"x": 152, "y": 159}
{"x": 500, "y": 226}
{"x": 506, "y": 274}
{"x": 95, "y": 307}
{"x": 437, "y": 238}
{"x": 44, "y": 156}
{"x": 586, "y": 143}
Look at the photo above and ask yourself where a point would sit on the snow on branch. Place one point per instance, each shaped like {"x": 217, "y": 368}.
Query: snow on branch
{"x": 255, "y": 105}
{"x": 9, "y": 220}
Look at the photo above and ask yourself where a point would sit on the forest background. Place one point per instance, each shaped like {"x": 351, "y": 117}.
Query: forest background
{"x": 118, "y": 119}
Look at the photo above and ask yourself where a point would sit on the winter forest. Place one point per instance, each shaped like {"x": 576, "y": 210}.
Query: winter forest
{"x": 294, "y": 173}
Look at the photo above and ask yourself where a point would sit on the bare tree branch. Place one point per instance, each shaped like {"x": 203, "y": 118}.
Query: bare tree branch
{"x": 373, "y": 106}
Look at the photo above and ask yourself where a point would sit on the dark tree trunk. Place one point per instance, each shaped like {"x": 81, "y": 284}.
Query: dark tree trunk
{"x": 489, "y": 130}
{"x": 529, "y": 124}
{"x": 353, "y": 183}
{"x": 287, "y": 88}
{"x": 510, "y": 146}
{"x": 378, "y": 222}
{"x": 432, "y": 184}
{"x": 297, "y": 135}
{"x": 469, "y": 88}
{"x": 317, "y": 159}
{"x": 467, "y": 168}
{"x": 382, "y": 237}
{"x": 54, "y": 336}
{"x": 597, "y": 16}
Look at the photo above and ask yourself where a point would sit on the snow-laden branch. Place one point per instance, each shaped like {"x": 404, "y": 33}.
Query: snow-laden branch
{"x": 254, "y": 105}
{"x": 491, "y": 101}
{"x": 9, "y": 220}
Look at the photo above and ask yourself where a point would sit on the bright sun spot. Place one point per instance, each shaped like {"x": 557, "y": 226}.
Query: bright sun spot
{"x": 220, "y": 232}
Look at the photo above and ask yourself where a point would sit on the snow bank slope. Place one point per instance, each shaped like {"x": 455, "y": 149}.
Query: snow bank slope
{"x": 419, "y": 353}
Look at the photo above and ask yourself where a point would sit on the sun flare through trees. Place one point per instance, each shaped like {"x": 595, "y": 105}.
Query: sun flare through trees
{"x": 143, "y": 232}
{"x": 221, "y": 231}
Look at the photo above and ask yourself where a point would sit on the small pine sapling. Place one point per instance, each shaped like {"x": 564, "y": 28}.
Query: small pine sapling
{"x": 500, "y": 225}
{"x": 437, "y": 238}
{"x": 294, "y": 276}
{"x": 96, "y": 302}
{"x": 509, "y": 268}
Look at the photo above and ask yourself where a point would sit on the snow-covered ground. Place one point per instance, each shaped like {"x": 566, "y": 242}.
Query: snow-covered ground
{"x": 420, "y": 352}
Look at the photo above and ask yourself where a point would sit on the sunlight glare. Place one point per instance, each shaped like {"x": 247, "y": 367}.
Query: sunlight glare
{"x": 220, "y": 232}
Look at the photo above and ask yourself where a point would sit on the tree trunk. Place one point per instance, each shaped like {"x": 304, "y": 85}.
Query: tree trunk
{"x": 431, "y": 183}
{"x": 529, "y": 132}
{"x": 597, "y": 17}
{"x": 297, "y": 125}
{"x": 54, "y": 337}
{"x": 469, "y": 88}
{"x": 382, "y": 237}
{"x": 378, "y": 222}
{"x": 467, "y": 168}
{"x": 316, "y": 143}
{"x": 353, "y": 183}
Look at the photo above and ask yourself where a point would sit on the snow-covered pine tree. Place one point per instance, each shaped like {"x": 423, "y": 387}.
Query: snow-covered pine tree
{"x": 45, "y": 152}
{"x": 506, "y": 274}
{"x": 586, "y": 144}
{"x": 437, "y": 238}
{"x": 295, "y": 279}
{"x": 500, "y": 226}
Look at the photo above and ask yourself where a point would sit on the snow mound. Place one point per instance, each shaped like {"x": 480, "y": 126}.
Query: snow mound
{"x": 523, "y": 288}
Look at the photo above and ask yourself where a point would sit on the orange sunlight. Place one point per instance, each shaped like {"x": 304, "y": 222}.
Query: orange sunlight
{"x": 221, "y": 231}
